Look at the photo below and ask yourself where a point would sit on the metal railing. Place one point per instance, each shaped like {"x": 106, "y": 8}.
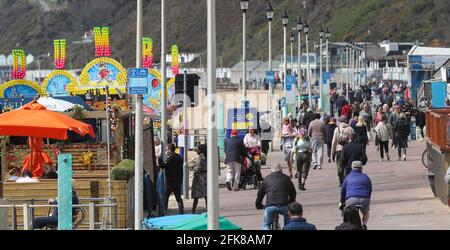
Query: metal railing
{"x": 29, "y": 205}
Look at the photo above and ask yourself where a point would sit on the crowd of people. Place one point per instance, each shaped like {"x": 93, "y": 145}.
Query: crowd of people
{"x": 347, "y": 132}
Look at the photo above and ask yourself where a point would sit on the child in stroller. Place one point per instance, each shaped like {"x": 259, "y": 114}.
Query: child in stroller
{"x": 251, "y": 170}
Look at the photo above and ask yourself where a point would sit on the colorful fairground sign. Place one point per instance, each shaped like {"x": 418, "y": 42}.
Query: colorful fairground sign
{"x": 18, "y": 86}
{"x": 102, "y": 71}
{"x": 57, "y": 82}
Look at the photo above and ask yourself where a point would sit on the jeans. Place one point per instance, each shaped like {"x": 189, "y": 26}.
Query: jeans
{"x": 317, "y": 154}
{"x": 303, "y": 163}
{"x": 340, "y": 169}
{"x": 384, "y": 147}
{"x": 234, "y": 173}
{"x": 329, "y": 150}
{"x": 269, "y": 213}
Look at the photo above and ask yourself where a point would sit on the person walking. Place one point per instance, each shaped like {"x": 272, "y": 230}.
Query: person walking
{"x": 392, "y": 122}
{"x": 351, "y": 152}
{"x": 361, "y": 132}
{"x": 199, "y": 181}
{"x": 340, "y": 139}
{"x": 174, "y": 176}
{"x": 296, "y": 219}
{"x": 352, "y": 220}
{"x": 330, "y": 127}
{"x": 302, "y": 153}
{"x": 357, "y": 190}
{"x": 340, "y": 103}
{"x": 287, "y": 141}
{"x": 382, "y": 135}
{"x": 402, "y": 132}
{"x": 280, "y": 192}
{"x": 317, "y": 132}
{"x": 235, "y": 152}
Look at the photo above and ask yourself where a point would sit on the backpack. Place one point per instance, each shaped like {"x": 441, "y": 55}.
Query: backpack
{"x": 342, "y": 138}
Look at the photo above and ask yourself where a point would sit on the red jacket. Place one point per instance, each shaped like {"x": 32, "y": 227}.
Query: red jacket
{"x": 345, "y": 110}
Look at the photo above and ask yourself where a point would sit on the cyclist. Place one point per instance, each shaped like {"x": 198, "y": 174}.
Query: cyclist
{"x": 357, "y": 190}
{"x": 280, "y": 193}
{"x": 297, "y": 222}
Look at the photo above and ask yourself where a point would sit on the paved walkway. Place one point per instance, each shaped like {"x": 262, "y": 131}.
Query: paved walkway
{"x": 401, "y": 199}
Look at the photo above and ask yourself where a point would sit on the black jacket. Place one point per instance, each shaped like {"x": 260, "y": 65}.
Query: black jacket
{"x": 308, "y": 118}
{"x": 361, "y": 132}
{"x": 330, "y": 132}
{"x": 340, "y": 102}
{"x": 402, "y": 128}
{"x": 351, "y": 152}
{"x": 235, "y": 150}
{"x": 279, "y": 190}
{"x": 174, "y": 168}
{"x": 348, "y": 226}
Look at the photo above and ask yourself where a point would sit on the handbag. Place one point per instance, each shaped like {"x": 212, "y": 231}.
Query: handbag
{"x": 377, "y": 140}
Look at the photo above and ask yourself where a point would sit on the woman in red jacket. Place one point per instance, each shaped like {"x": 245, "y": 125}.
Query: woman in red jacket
{"x": 345, "y": 109}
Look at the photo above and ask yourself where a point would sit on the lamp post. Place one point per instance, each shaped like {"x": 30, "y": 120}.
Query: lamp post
{"x": 348, "y": 68}
{"x": 292, "y": 40}
{"x": 327, "y": 36}
{"x": 139, "y": 149}
{"x": 212, "y": 169}
{"x": 299, "y": 61}
{"x": 321, "y": 103}
{"x": 285, "y": 21}
{"x": 269, "y": 14}
{"x": 308, "y": 73}
{"x": 244, "y": 8}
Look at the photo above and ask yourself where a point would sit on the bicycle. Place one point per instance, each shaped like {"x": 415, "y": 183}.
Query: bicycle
{"x": 276, "y": 222}
{"x": 425, "y": 158}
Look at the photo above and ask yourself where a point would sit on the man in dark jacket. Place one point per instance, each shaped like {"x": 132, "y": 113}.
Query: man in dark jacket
{"x": 352, "y": 151}
{"x": 174, "y": 176}
{"x": 340, "y": 104}
{"x": 308, "y": 118}
{"x": 296, "y": 220}
{"x": 357, "y": 190}
{"x": 280, "y": 193}
{"x": 235, "y": 152}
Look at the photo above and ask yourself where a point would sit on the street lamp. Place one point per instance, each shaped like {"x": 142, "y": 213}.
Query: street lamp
{"x": 244, "y": 8}
{"x": 292, "y": 40}
{"x": 299, "y": 61}
{"x": 285, "y": 21}
{"x": 327, "y": 36}
{"x": 308, "y": 73}
{"x": 348, "y": 67}
{"x": 269, "y": 14}
{"x": 321, "y": 34}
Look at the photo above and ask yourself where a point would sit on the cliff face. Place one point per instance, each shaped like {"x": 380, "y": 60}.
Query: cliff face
{"x": 34, "y": 24}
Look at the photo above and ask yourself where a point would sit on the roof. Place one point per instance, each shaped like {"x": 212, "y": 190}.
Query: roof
{"x": 251, "y": 65}
{"x": 429, "y": 51}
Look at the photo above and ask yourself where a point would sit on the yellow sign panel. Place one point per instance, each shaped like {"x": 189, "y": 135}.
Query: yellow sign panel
{"x": 241, "y": 125}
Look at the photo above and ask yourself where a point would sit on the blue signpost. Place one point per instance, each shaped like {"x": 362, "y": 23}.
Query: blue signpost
{"x": 64, "y": 192}
{"x": 270, "y": 77}
{"x": 138, "y": 81}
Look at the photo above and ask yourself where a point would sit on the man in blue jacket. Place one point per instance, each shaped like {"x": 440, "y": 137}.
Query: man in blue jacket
{"x": 297, "y": 222}
{"x": 357, "y": 190}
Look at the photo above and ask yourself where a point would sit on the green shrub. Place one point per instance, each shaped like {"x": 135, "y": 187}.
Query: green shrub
{"x": 123, "y": 171}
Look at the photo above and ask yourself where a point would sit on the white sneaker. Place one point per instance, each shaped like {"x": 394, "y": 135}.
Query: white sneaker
{"x": 381, "y": 160}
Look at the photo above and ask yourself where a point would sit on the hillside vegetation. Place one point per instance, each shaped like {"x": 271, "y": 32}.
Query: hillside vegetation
{"x": 26, "y": 23}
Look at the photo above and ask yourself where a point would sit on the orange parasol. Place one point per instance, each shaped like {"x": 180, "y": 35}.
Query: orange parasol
{"x": 35, "y": 121}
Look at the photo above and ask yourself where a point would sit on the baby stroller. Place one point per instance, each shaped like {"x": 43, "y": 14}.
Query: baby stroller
{"x": 251, "y": 171}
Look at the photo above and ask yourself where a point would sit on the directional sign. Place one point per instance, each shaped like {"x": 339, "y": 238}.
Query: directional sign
{"x": 138, "y": 81}
{"x": 270, "y": 77}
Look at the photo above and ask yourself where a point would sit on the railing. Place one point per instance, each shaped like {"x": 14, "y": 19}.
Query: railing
{"x": 438, "y": 128}
{"x": 29, "y": 206}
